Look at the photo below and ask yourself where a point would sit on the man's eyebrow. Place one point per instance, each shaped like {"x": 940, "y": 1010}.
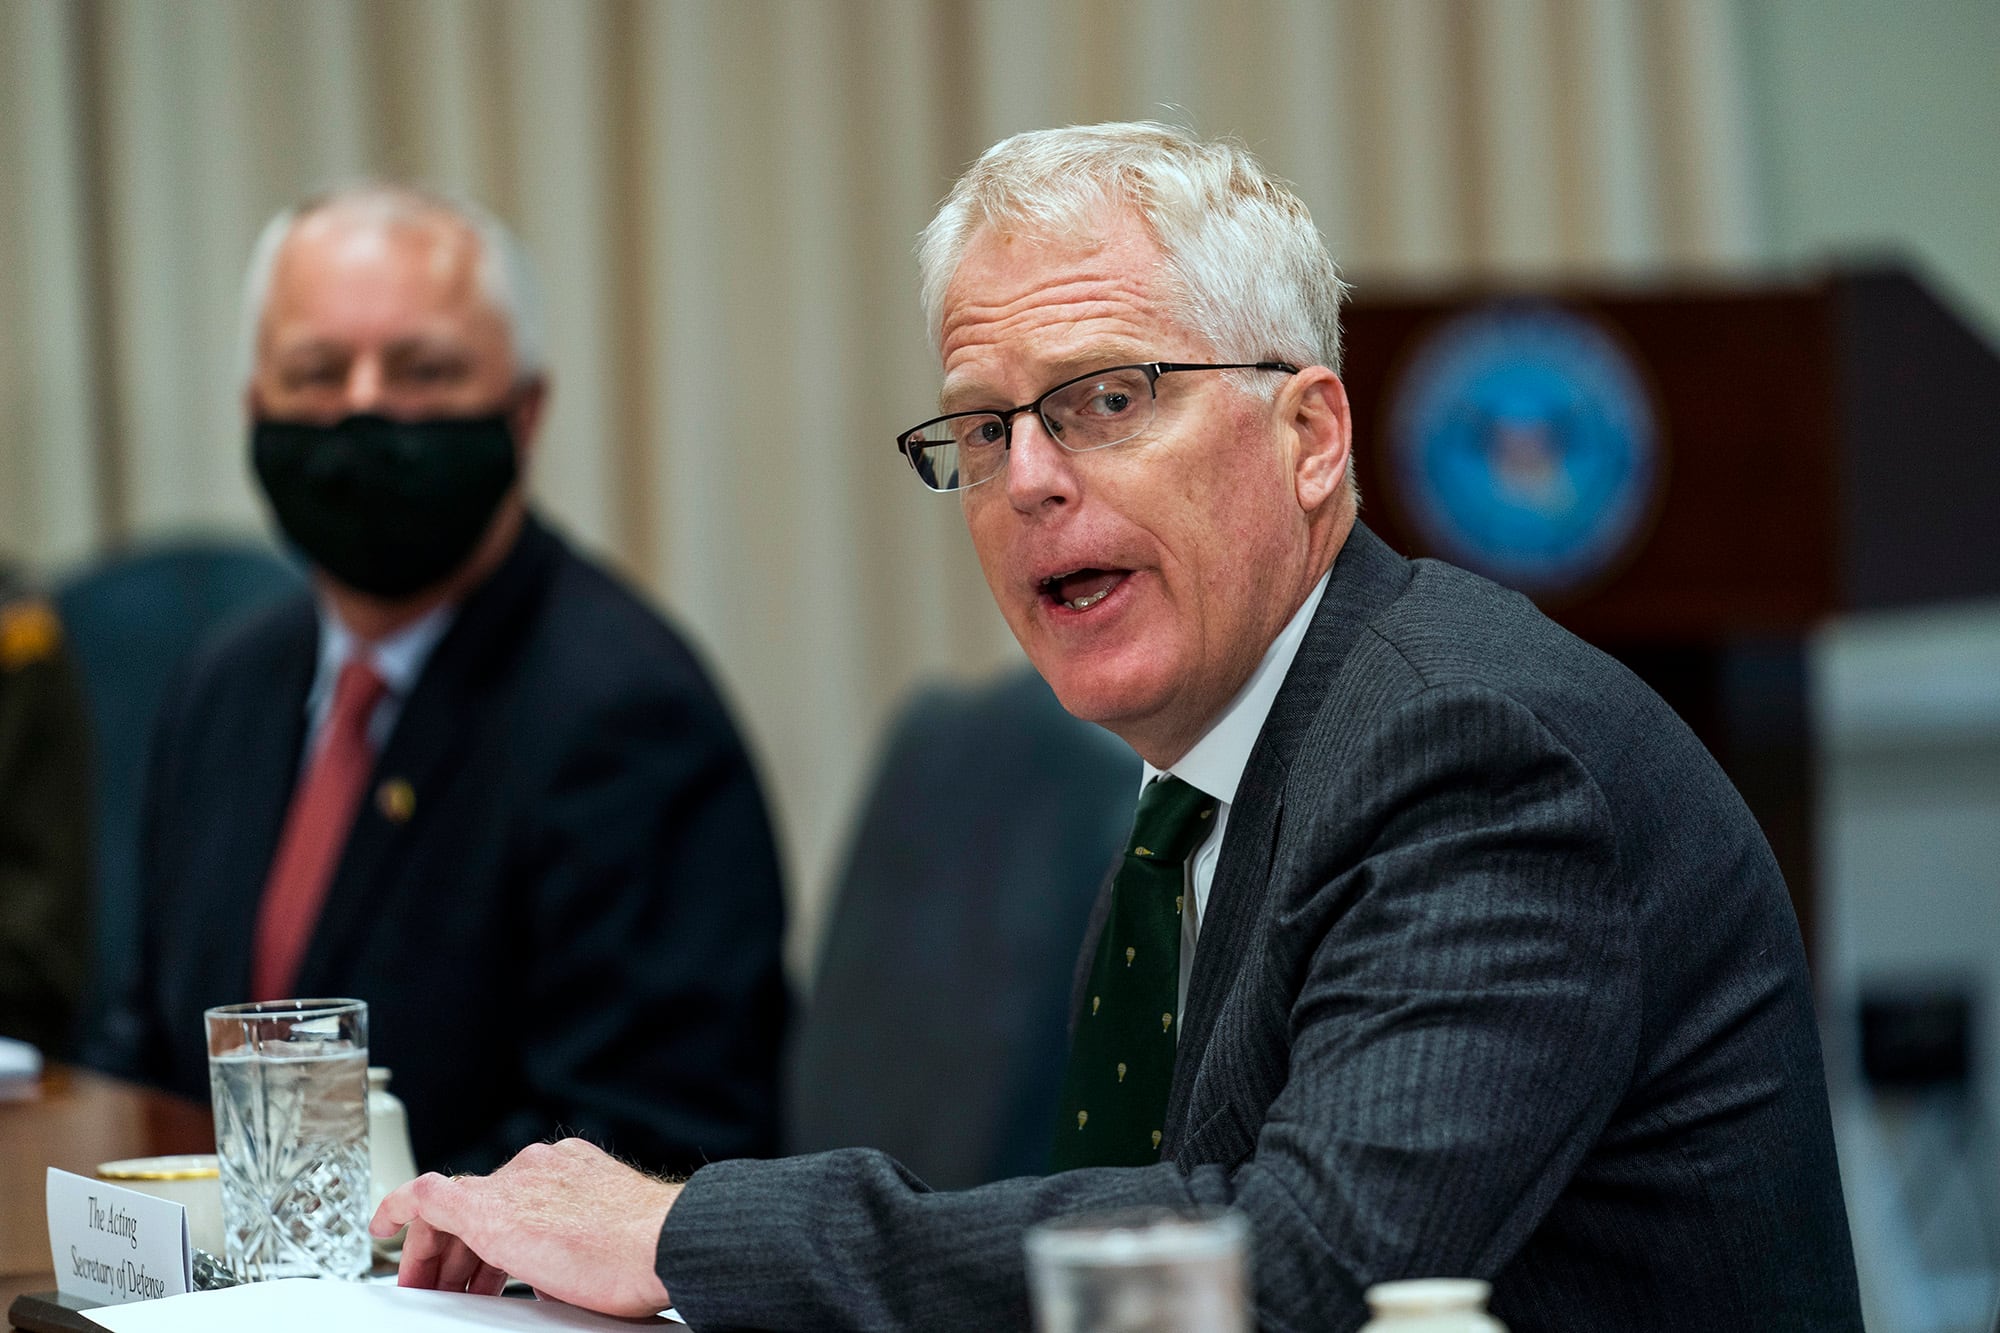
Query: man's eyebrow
{"x": 314, "y": 358}
{"x": 956, "y": 397}
{"x": 975, "y": 395}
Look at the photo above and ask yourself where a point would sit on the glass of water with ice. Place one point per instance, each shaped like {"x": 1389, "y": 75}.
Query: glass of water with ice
{"x": 1145, "y": 1270}
{"x": 290, "y": 1083}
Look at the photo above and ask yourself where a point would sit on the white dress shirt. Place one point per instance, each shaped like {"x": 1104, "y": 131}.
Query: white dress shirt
{"x": 1216, "y": 762}
{"x": 398, "y": 660}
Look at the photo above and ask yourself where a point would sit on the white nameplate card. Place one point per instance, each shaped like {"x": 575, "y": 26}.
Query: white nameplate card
{"x": 114, "y": 1245}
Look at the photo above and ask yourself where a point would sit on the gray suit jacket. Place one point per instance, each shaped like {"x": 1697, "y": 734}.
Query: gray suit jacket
{"x": 1498, "y": 979}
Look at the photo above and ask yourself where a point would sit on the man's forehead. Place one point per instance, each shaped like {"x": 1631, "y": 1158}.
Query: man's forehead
{"x": 1111, "y": 239}
{"x": 435, "y": 249}
{"x": 419, "y": 275}
{"x": 1042, "y": 306}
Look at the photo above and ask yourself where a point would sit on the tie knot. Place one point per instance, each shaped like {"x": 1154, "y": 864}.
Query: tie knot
{"x": 356, "y": 691}
{"x": 1173, "y": 818}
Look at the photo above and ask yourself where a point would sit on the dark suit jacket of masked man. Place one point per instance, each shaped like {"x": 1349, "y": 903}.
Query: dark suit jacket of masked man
{"x": 560, "y": 897}
{"x": 1498, "y": 970}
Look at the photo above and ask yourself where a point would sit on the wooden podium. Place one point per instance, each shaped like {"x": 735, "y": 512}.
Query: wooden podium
{"x": 1802, "y": 450}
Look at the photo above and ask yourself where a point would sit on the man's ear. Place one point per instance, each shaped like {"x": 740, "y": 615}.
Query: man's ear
{"x": 524, "y": 418}
{"x": 1322, "y": 435}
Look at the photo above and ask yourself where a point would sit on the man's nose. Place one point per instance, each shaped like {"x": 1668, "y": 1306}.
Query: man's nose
{"x": 1040, "y": 472}
{"x": 365, "y": 386}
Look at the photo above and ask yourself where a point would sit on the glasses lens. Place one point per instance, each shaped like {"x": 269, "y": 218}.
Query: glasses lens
{"x": 1104, "y": 409}
{"x": 959, "y": 451}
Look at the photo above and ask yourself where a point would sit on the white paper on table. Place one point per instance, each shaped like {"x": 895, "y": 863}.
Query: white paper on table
{"x": 312, "y": 1305}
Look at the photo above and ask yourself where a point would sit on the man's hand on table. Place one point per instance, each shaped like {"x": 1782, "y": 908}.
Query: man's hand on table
{"x": 566, "y": 1218}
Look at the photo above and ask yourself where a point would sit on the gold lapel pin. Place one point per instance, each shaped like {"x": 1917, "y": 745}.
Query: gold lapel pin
{"x": 396, "y": 799}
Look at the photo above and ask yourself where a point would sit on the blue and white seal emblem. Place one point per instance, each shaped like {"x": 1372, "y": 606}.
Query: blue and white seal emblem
{"x": 1524, "y": 447}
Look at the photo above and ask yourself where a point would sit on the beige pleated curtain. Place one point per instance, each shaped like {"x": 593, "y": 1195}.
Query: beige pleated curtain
{"x": 722, "y": 195}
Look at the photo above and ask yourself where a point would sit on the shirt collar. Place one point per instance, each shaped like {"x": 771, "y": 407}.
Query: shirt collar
{"x": 398, "y": 659}
{"x": 1216, "y": 762}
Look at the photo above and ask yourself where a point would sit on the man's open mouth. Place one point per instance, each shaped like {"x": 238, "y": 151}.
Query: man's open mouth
{"x": 1081, "y": 589}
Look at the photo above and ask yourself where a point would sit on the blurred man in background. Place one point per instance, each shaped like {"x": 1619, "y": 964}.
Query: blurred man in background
{"x": 1441, "y": 945}
{"x": 470, "y": 779}
{"x": 44, "y": 823}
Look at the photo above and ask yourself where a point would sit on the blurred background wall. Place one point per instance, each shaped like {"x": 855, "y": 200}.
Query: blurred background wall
{"x": 1875, "y": 126}
{"x": 722, "y": 194}
{"x": 722, "y": 197}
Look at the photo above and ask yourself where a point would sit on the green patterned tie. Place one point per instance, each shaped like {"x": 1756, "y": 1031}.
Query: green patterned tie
{"x": 1114, "y": 1099}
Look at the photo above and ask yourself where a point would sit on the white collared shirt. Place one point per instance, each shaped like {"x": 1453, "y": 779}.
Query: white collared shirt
{"x": 1215, "y": 764}
{"x": 398, "y": 660}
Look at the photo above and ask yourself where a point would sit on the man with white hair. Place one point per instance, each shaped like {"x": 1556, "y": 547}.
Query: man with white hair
{"x": 1441, "y": 946}
{"x": 469, "y": 778}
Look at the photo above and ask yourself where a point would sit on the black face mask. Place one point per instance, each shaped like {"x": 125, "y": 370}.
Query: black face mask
{"x": 386, "y": 507}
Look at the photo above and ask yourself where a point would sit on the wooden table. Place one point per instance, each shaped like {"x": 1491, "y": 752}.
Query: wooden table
{"x": 80, "y": 1119}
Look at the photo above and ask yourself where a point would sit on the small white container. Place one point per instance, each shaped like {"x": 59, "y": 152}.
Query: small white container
{"x": 1431, "y": 1305}
{"x": 190, "y": 1180}
{"x": 392, "y": 1162}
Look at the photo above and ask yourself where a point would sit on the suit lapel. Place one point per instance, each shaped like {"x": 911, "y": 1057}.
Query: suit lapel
{"x": 264, "y": 770}
{"x": 1367, "y": 576}
{"x": 438, "y": 721}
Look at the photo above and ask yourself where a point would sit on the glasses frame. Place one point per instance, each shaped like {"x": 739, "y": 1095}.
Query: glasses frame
{"x": 1153, "y": 370}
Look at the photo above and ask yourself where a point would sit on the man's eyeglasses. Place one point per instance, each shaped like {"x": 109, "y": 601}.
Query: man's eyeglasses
{"x": 1092, "y": 411}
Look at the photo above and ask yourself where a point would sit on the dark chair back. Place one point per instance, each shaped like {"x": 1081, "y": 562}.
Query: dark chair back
{"x": 939, "y": 1023}
{"x": 130, "y": 619}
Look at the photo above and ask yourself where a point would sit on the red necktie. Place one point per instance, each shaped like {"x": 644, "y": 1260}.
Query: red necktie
{"x": 316, "y": 829}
